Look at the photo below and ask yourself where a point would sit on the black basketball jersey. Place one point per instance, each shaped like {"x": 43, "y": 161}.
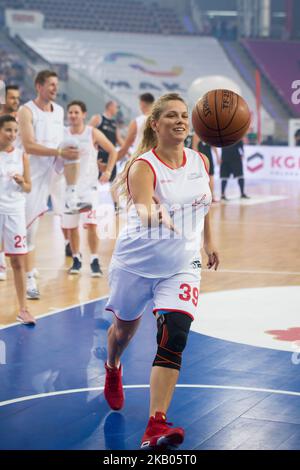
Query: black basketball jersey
{"x": 109, "y": 129}
{"x": 234, "y": 151}
{"x": 206, "y": 149}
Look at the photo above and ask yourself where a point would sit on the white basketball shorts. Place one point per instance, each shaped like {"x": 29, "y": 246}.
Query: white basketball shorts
{"x": 13, "y": 234}
{"x": 130, "y": 294}
{"x": 74, "y": 220}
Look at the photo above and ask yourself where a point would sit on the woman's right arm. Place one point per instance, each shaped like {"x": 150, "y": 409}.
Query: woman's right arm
{"x": 140, "y": 184}
{"x": 141, "y": 187}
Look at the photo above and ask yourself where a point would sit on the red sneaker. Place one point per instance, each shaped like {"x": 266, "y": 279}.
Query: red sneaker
{"x": 113, "y": 390}
{"x": 159, "y": 433}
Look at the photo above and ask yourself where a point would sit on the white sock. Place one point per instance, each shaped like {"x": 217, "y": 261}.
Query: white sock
{"x": 77, "y": 255}
{"x": 94, "y": 257}
{"x": 67, "y": 242}
{"x": 30, "y": 274}
{"x": 113, "y": 367}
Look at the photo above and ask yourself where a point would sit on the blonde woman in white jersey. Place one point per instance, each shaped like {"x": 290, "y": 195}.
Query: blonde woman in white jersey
{"x": 14, "y": 182}
{"x": 157, "y": 258}
{"x": 86, "y": 138}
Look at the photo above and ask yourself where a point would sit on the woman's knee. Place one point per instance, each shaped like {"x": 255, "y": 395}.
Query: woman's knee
{"x": 16, "y": 263}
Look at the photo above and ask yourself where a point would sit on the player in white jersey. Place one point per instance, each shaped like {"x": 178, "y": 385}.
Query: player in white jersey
{"x": 136, "y": 126}
{"x": 157, "y": 258}
{"x": 14, "y": 182}
{"x": 11, "y": 106}
{"x": 87, "y": 139}
{"x": 41, "y": 123}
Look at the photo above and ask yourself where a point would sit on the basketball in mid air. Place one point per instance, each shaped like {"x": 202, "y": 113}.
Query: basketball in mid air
{"x": 221, "y": 118}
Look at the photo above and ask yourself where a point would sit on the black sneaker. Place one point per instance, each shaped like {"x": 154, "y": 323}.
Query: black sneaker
{"x": 244, "y": 196}
{"x": 96, "y": 269}
{"x": 76, "y": 267}
{"x": 68, "y": 251}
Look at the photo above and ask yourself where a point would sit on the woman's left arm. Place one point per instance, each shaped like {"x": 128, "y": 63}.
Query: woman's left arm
{"x": 213, "y": 256}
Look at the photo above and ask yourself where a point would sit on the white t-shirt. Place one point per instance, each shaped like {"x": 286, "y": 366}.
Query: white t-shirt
{"x": 185, "y": 192}
{"x": 12, "y": 197}
{"x": 88, "y": 174}
{"x": 140, "y": 125}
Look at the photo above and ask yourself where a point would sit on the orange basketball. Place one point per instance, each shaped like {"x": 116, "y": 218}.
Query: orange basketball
{"x": 221, "y": 118}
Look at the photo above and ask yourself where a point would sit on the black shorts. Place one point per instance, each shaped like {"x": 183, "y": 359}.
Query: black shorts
{"x": 103, "y": 156}
{"x": 232, "y": 167}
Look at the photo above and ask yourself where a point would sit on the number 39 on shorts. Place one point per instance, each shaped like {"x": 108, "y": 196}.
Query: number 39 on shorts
{"x": 189, "y": 293}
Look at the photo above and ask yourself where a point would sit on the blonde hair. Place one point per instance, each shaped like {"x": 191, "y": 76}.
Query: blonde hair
{"x": 149, "y": 139}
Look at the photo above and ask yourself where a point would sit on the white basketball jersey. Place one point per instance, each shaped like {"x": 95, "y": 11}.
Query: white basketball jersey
{"x": 48, "y": 131}
{"x": 88, "y": 176}
{"x": 140, "y": 124}
{"x": 12, "y": 197}
{"x": 185, "y": 193}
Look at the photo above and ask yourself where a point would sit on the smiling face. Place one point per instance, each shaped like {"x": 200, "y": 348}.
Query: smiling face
{"x": 8, "y": 133}
{"x": 48, "y": 91}
{"x": 76, "y": 116}
{"x": 12, "y": 100}
{"x": 172, "y": 126}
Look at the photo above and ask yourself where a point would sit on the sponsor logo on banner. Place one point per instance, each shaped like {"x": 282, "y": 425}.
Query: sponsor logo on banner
{"x": 274, "y": 163}
{"x": 255, "y": 162}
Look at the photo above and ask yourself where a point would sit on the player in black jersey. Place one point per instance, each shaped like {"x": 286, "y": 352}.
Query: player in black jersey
{"x": 106, "y": 123}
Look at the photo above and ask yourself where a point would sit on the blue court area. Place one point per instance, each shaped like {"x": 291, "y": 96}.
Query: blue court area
{"x": 230, "y": 396}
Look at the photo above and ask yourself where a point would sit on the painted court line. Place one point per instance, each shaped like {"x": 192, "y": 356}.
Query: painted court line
{"x": 54, "y": 312}
{"x": 131, "y": 387}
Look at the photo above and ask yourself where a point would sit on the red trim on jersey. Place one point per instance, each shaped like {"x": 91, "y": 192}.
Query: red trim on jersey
{"x": 16, "y": 254}
{"x": 40, "y": 215}
{"x": 153, "y": 171}
{"x": 120, "y": 319}
{"x": 204, "y": 162}
{"x": 164, "y": 163}
{"x": 174, "y": 310}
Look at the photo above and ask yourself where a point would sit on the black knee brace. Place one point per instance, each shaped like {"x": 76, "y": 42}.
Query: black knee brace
{"x": 172, "y": 333}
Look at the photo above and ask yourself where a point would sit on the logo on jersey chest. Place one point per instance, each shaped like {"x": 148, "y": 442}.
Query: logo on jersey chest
{"x": 194, "y": 176}
{"x": 166, "y": 181}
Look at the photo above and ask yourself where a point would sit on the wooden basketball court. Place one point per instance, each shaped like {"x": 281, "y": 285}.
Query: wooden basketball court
{"x": 258, "y": 242}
